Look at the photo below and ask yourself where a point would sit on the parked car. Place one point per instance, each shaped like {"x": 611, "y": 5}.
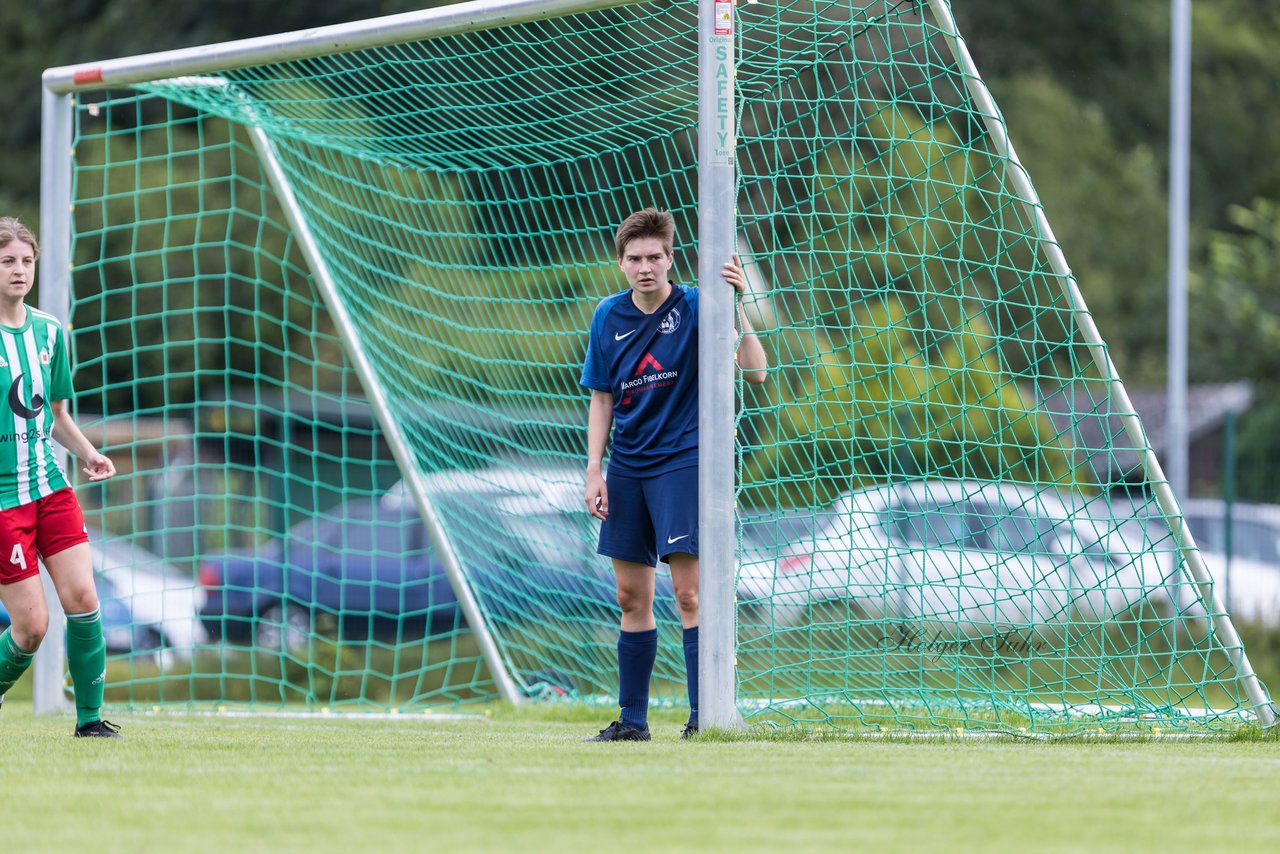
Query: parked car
{"x": 957, "y": 556}
{"x": 149, "y": 608}
{"x": 367, "y": 568}
{"x": 1248, "y": 583}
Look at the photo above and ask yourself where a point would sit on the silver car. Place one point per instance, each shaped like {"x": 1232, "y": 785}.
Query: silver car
{"x": 966, "y": 557}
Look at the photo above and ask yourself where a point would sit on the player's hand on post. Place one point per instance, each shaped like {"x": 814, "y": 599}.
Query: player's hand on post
{"x": 733, "y": 274}
{"x": 99, "y": 467}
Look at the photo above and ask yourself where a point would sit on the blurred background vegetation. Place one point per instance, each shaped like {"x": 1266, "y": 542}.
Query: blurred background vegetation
{"x": 1083, "y": 87}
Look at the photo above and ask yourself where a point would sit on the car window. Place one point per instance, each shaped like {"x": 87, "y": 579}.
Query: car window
{"x": 552, "y": 538}
{"x": 1256, "y": 541}
{"x": 1022, "y": 533}
{"x": 306, "y": 531}
{"x": 933, "y": 525}
{"x": 506, "y": 529}
{"x": 325, "y": 527}
{"x": 365, "y": 528}
{"x": 382, "y": 536}
{"x": 774, "y": 532}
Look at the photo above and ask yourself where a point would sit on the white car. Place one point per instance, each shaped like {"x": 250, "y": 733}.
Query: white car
{"x": 1249, "y": 583}
{"x": 960, "y": 557}
{"x": 148, "y": 606}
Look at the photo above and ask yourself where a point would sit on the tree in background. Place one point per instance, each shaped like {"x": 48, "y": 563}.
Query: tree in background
{"x": 1083, "y": 86}
{"x": 1235, "y": 327}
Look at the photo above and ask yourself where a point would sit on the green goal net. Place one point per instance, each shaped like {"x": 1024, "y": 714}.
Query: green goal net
{"x": 329, "y": 320}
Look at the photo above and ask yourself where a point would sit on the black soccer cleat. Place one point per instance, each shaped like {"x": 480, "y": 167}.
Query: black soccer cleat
{"x": 98, "y": 729}
{"x": 689, "y": 731}
{"x": 619, "y": 731}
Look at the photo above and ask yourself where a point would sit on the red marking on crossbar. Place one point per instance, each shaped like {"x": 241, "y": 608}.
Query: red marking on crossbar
{"x": 91, "y": 75}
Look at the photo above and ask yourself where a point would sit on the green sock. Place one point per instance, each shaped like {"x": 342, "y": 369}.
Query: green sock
{"x": 87, "y": 661}
{"x": 14, "y": 661}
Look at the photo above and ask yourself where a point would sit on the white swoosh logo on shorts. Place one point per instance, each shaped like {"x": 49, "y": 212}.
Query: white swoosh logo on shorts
{"x": 671, "y": 540}
{"x": 617, "y": 337}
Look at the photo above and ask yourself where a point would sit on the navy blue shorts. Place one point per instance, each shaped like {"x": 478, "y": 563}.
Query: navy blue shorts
{"x": 651, "y": 517}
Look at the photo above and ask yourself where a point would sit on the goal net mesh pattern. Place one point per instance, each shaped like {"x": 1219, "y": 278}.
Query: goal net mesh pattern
{"x": 929, "y": 533}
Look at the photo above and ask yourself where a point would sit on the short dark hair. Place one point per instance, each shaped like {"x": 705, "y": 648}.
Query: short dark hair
{"x": 11, "y": 229}
{"x": 650, "y": 222}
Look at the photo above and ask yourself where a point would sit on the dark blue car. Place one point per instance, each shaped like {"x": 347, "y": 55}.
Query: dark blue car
{"x": 366, "y": 569}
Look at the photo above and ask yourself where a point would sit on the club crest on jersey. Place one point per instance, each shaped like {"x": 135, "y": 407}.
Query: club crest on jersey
{"x": 44, "y": 357}
{"x": 670, "y": 323}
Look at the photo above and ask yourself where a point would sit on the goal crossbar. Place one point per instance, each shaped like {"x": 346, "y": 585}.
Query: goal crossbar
{"x": 321, "y": 41}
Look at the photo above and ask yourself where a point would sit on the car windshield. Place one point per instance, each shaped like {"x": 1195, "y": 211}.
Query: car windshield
{"x": 360, "y": 527}
{"x": 935, "y": 524}
{"x": 1023, "y": 533}
{"x": 969, "y": 524}
{"x": 507, "y": 528}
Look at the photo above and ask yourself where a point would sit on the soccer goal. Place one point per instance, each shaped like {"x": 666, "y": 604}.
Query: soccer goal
{"x": 330, "y": 293}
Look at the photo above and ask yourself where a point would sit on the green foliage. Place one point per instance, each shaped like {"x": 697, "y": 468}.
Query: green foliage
{"x": 1234, "y": 329}
{"x": 1110, "y": 57}
{"x": 1257, "y": 456}
{"x": 85, "y": 31}
{"x": 1115, "y": 57}
{"x": 889, "y": 365}
{"x": 1108, "y": 212}
{"x": 220, "y": 299}
{"x": 884, "y": 407}
{"x": 892, "y": 206}
{"x": 1240, "y": 291}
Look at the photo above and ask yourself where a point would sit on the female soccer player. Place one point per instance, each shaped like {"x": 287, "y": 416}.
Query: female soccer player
{"x": 40, "y": 518}
{"x": 642, "y": 369}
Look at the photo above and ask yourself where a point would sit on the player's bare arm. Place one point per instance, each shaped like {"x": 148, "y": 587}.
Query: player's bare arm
{"x": 65, "y": 432}
{"x": 599, "y": 422}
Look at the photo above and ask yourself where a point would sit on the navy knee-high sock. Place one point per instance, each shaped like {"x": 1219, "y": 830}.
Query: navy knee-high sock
{"x": 691, "y": 668}
{"x": 636, "y": 653}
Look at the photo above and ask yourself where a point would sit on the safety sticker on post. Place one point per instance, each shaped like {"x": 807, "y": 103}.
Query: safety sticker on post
{"x": 720, "y": 87}
{"x": 724, "y": 18}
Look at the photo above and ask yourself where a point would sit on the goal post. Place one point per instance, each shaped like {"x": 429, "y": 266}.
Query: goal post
{"x": 349, "y": 271}
{"x": 717, "y": 679}
{"x": 55, "y": 264}
{"x": 387, "y": 421}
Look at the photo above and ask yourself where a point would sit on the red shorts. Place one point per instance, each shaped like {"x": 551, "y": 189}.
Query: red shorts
{"x": 42, "y": 528}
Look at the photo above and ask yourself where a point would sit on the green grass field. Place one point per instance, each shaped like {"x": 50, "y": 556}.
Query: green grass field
{"x": 522, "y": 780}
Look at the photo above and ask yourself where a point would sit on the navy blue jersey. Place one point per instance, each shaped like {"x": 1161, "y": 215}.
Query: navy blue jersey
{"x": 649, "y": 362}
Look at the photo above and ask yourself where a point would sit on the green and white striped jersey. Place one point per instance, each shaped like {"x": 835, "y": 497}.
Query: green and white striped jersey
{"x": 34, "y": 369}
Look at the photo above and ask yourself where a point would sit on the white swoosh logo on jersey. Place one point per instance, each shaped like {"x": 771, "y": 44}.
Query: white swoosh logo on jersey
{"x": 671, "y": 540}
{"x": 617, "y": 337}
